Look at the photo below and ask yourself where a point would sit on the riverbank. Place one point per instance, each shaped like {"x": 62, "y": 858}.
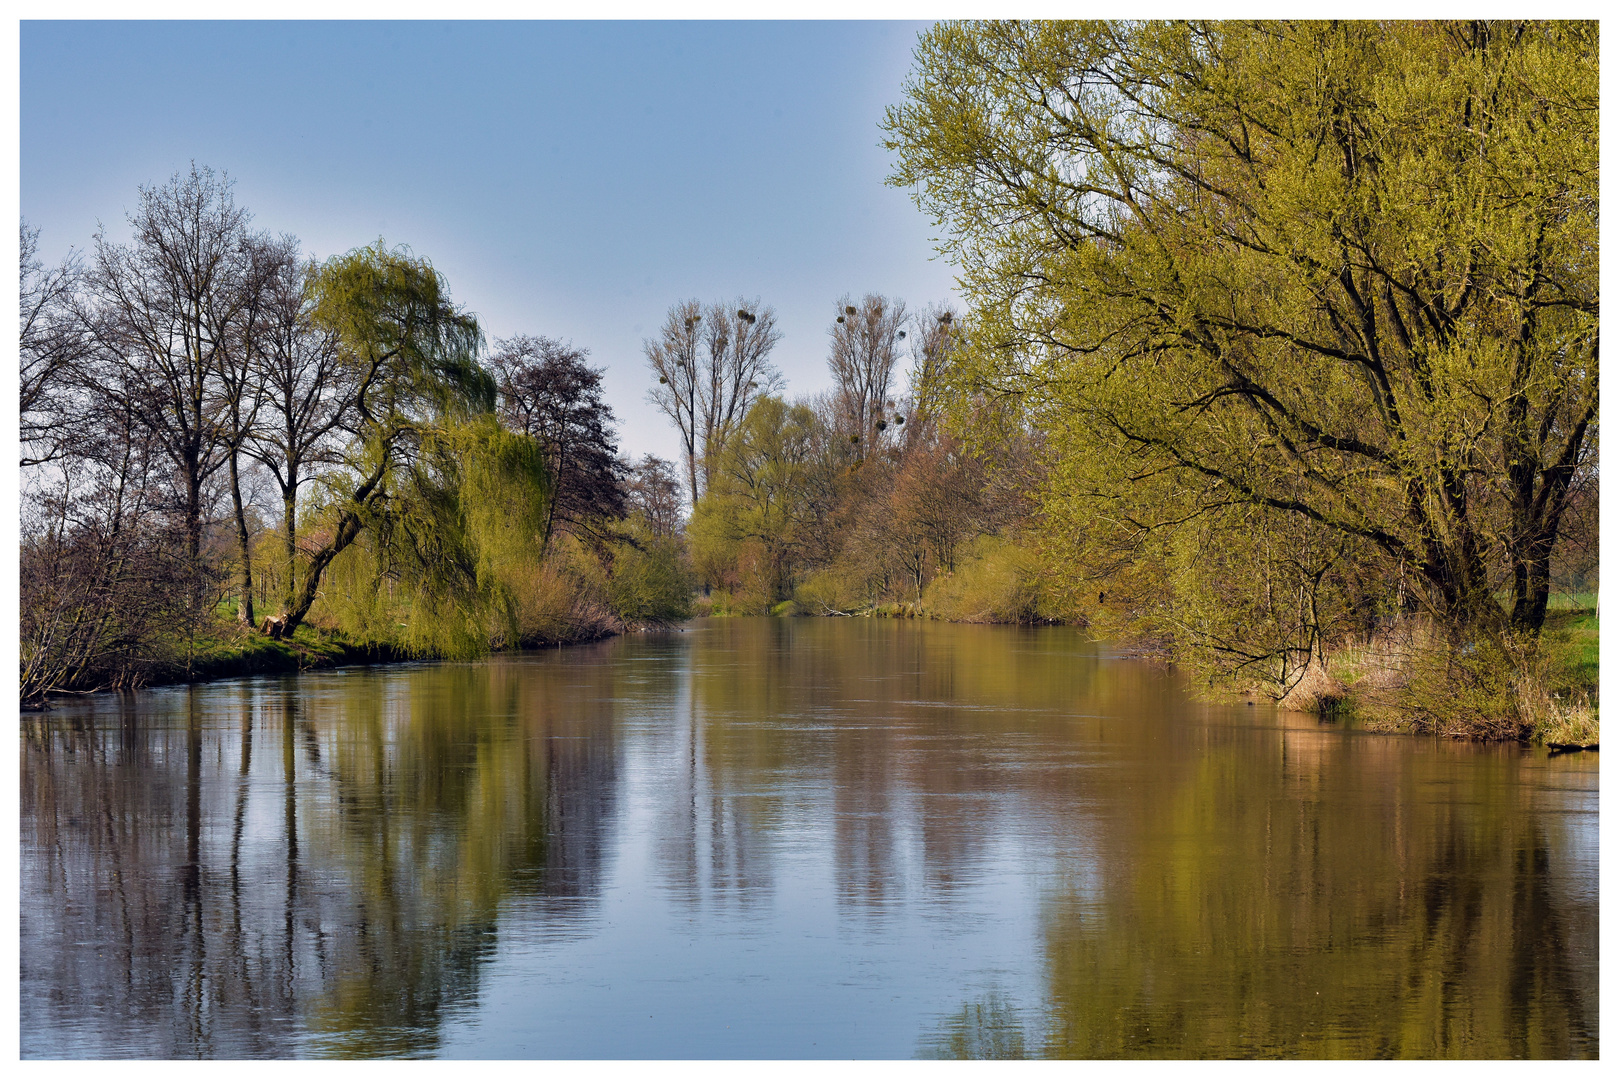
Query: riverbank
{"x": 234, "y": 651}
{"x": 1405, "y": 679}
{"x": 1410, "y": 677}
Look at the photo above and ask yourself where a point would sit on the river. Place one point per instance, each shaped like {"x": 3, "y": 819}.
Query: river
{"x": 807, "y": 838}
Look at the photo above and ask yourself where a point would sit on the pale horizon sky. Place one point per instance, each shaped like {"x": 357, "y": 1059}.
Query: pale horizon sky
{"x": 568, "y": 179}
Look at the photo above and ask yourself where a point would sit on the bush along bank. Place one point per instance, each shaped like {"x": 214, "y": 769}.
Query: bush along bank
{"x": 1410, "y": 677}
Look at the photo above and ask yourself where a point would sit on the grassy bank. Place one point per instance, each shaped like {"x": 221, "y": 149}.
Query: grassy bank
{"x": 231, "y": 651}
{"x": 1410, "y": 677}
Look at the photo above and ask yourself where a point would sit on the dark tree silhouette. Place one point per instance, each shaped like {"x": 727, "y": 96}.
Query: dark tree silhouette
{"x": 549, "y": 393}
{"x": 50, "y": 342}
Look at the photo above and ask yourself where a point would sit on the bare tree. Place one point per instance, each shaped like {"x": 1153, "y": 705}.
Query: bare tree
{"x": 548, "y": 393}
{"x": 164, "y": 309}
{"x": 737, "y": 343}
{"x": 241, "y": 378}
{"x": 307, "y": 392}
{"x": 102, "y": 581}
{"x": 50, "y": 341}
{"x": 865, "y": 348}
{"x": 712, "y": 363}
{"x": 653, "y": 491}
{"x": 674, "y": 360}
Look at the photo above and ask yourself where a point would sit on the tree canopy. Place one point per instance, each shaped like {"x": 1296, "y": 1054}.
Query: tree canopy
{"x": 412, "y": 357}
{"x": 1345, "y": 273}
{"x": 550, "y": 394}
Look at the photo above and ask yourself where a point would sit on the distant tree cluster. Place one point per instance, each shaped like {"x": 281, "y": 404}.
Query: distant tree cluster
{"x": 852, "y": 499}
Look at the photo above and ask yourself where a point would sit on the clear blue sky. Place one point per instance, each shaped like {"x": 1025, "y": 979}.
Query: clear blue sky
{"x": 569, "y": 179}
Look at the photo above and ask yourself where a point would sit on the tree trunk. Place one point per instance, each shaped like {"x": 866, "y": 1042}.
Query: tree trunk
{"x": 349, "y": 526}
{"x": 1531, "y": 582}
{"x": 283, "y": 625}
{"x": 244, "y": 609}
{"x": 289, "y": 533}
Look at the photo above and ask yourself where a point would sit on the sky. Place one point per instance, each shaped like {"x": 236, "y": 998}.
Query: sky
{"x": 568, "y": 179}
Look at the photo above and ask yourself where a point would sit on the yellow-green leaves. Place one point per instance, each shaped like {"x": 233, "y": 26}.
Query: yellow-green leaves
{"x": 1343, "y": 272}
{"x": 415, "y": 352}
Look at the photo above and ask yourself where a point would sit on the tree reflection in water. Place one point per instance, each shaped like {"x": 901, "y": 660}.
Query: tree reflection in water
{"x": 791, "y": 838}
{"x": 1358, "y": 900}
{"x": 178, "y": 902}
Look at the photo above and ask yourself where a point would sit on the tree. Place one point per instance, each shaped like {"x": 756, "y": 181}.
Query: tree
{"x": 548, "y": 393}
{"x": 50, "y": 342}
{"x": 1342, "y": 271}
{"x": 307, "y": 393}
{"x": 651, "y": 579}
{"x": 761, "y": 493}
{"x": 104, "y": 586}
{"x": 865, "y": 348}
{"x": 673, "y": 359}
{"x": 165, "y": 309}
{"x": 736, "y": 372}
{"x": 652, "y": 492}
{"x": 712, "y": 364}
{"x": 412, "y": 356}
{"x": 931, "y": 339}
{"x": 241, "y": 384}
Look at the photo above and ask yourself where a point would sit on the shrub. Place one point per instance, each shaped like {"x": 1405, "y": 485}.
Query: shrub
{"x": 828, "y": 592}
{"x": 651, "y": 580}
{"x": 996, "y": 581}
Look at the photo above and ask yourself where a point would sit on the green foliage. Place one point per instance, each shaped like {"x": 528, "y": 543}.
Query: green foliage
{"x": 749, "y": 599}
{"x": 415, "y": 354}
{"x": 833, "y": 590}
{"x": 754, "y": 519}
{"x": 1258, "y": 597}
{"x": 439, "y": 571}
{"x": 1340, "y": 273}
{"x": 1476, "y": 690}
{"x": 412, "y": 357}
{"x": 997, "y": 580}
{"x": 651, "y": 580}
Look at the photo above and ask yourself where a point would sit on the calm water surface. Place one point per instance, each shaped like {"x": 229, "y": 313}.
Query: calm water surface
{"x": 790, "y": 838}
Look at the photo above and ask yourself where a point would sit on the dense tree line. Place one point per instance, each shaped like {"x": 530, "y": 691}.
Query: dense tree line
{"x": 1306, "y": 312}
{"x": 855, "y": 499}
{"x": 1281, "y": 336}
{"x": 183, "y": 390}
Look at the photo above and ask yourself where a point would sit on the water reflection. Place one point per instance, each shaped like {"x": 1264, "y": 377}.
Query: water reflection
{"x": 813, "y": 838}
{"x": 336, "y": 899}
{"x": 1360, "y": 899}
{"x": 988, "y": 1029}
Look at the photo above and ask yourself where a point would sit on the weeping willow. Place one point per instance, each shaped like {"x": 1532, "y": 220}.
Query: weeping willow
{"x": 438, "y": 571}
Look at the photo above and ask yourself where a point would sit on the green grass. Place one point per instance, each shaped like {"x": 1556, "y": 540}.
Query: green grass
{"x": 1572, "y": 640}
{"x": 1571, "y": 644}
{"x": 230, "y": 649}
